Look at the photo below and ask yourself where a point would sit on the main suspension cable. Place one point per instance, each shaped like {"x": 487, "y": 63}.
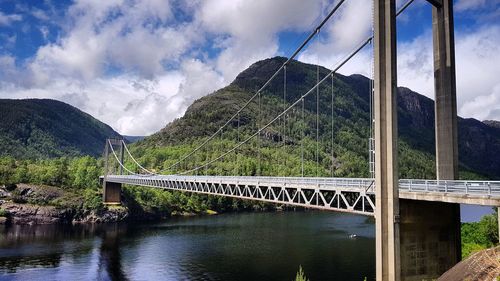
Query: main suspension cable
{"x": 332, "y": 86}
{"x": 311, "y": 35}
{"x": 361, "y": 46}
{"x": 134, "y": 160}
{"x": 120, "y": 163}
{"x": 297, "y": 51}
{"x": 317, "y": 111}
{"x": 284, "y": 117}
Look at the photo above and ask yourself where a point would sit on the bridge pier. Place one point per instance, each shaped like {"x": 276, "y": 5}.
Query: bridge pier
{"x": 429, "y": 238}
{"x": 112, "y": 192}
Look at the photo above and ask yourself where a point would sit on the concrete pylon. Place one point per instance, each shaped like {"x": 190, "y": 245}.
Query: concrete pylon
{"x": 445, "y": 91}
{"x": 386, "y": 164}
{"x": 429, "y": 247}
{"x": 112, "y": 191}
{"x": 446, "y": 108}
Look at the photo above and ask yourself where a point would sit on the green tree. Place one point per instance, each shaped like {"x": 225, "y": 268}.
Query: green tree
{"x": 7, "y": 170}
{"x": 479, "y": 235}
{"x": 84, "y": 172}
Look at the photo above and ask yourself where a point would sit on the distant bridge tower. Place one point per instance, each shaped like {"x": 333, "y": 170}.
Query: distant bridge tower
{"x": 415, "y": 240}
{"x": 112, "y": 190}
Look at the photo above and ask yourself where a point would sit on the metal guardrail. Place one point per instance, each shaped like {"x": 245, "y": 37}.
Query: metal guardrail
{"x": 361, "y": 183}
{"x": 458, "y": 187}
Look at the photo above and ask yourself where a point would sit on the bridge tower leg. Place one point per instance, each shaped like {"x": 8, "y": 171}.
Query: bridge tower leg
{"x": 112, "y": 190}
{"x": 386, "y": 164}
{"x": 418, "y": 245}
{"x": 430, "y": 231}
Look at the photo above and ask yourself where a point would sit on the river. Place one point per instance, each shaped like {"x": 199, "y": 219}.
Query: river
{"x": 243, "y": 246}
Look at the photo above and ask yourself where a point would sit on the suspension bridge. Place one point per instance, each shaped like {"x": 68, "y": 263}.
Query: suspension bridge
{"x": 417, "y": 221}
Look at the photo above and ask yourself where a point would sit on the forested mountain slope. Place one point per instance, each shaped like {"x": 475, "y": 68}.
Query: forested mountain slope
{"x": 281, "y": 143}
{"x": 41, "y": 128}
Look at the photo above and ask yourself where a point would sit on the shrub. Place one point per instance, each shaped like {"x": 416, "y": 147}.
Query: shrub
{"x": 3, "y": 212}
{"x": 92, "y": 200}
{"x": 300, "y": 275}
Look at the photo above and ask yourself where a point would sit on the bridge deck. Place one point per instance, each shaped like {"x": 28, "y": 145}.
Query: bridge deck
{"x": 354, "y": 195}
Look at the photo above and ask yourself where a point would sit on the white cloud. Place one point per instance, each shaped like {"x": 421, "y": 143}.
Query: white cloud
{"x": 477, "y": 55}
{"x": 478, "y": 66}
{"x": 137, "y": 65}
{"x": 252, "y": 27}
{"x": 124, "y": 102}
{"x": 128, "y": 64}
{"x": 336, "y": 42}
{"x": 9, "y": 19}
{"x": 463, "y": 5}
{"x": 112, "y": 34}
{"x": 40, "y": 14}
{"x": 154, "y": 110}
{"x": 416, "y": 64}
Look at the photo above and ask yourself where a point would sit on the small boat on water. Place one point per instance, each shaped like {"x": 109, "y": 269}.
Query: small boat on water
{"x": 352, "y": 236}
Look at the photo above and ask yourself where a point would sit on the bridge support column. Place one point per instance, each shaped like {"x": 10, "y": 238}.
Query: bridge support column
{"x": 112, "y": 193}
{"x": 430, "y": 239}
{"x": 386, "y": 163}
{"x": 111, "y": 190}
{"x": 445, "y": 91}
{"x": 430, "y": 231}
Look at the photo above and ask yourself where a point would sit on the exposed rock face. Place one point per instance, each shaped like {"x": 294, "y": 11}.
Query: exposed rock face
{"x": 115, "y": 214}
{"x": 34, "y": 214}
{"x": 492, "y": 123}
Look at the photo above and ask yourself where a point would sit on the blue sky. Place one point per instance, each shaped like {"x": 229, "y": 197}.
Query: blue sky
{"x": 137, "y": 65}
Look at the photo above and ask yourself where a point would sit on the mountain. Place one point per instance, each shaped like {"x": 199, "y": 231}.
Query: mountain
{"x": 39, "y": 128}
{"x": 133, "y": 139}
{"x": 345, "y": 120}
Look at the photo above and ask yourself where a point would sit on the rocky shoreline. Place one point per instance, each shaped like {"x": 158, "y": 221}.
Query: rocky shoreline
{"x": 32, "y": 204}
{"x": 27, "y": 204}
{"x": 36, "y": 214}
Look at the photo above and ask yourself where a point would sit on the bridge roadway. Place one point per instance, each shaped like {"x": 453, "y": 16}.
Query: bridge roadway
{"x": 353, "y": 195}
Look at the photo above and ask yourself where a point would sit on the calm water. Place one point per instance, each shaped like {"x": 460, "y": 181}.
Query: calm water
{"x": 250, "y": 246}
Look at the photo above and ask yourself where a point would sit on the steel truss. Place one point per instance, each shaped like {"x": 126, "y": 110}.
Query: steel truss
{"x": 344, "y": 195}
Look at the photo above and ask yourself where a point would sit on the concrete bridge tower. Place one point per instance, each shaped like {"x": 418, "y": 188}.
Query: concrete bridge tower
{"x": 112, "y": 190}
{"x": 415, "y": 240}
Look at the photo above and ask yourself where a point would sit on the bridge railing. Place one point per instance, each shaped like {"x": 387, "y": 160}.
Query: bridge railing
{"x": 457, "y": 187}
{"x": 360, "y": 183}
{"x": 481, "y": 188}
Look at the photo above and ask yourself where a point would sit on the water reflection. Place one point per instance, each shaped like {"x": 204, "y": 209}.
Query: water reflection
{"x": 264, "y": 246}
{"x": 109, "y": 254}
{"x": 48, "y": 246}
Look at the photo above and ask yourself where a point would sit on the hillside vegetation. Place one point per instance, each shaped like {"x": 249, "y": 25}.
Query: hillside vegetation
{"x": 342, "y": 149}
{"x": 43, "y": 128}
